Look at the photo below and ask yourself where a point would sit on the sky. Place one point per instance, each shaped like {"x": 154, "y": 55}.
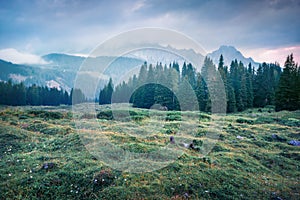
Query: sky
{"x": 266, "y": 30}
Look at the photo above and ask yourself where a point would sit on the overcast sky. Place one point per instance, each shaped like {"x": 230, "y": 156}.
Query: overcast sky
{"x": 266, "y": 30}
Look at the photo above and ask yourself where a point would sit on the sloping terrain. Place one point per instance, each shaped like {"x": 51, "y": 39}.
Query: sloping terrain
{"x": 42, "y": 155}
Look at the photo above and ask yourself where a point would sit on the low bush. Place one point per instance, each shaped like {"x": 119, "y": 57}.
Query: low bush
{"x": 46, "y": 114}
{"x": 122, "y": 115}
{"x": 107, "y": 114}
{"x": 55, "y": 130}
{"x": 243, "y": 120}
{"x": 173, "y": 116}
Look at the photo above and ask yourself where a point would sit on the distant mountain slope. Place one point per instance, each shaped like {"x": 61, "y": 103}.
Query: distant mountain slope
{"x": 166, "y": 55}
{"x": 63, "y": 61}
{"x": 230, "y": 53}
{"x": 61, "y": 70}
{"x": 36, "y": 75}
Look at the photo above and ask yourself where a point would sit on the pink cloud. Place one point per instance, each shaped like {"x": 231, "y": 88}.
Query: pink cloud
{"x": 274, "y": 55}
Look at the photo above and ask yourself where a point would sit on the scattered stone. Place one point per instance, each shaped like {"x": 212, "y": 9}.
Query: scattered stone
{"x": 277, "y": 137}
{"x": 186, "y": 195}
{"x": 294, "y": 142}
{"x": 239, "y": 137}
{"x": 172, "y": 139}
{"x": 48, "y": 165}
{"x": 186, "y": 145}
{"x": 190, "y": 146}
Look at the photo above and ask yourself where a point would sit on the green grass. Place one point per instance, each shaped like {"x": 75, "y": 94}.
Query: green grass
{"x": 252, "y": 166}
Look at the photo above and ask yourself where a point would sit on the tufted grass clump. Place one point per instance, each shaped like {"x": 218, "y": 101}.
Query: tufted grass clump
{"x": 42, "y": 154}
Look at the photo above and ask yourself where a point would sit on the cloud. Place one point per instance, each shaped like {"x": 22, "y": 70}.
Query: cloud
{"x": 14, "y": 56}
{"x": 77, "y": 25}
{"x": 271, "y": 55}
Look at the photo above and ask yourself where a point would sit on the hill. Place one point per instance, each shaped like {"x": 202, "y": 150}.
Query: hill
{"x": 42, "y": 155}
{"x": 61, "y": 69}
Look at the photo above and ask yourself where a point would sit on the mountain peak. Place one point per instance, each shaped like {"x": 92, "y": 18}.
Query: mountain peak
{"x": 227, "y": 47}
{"x": 230, "y": 53}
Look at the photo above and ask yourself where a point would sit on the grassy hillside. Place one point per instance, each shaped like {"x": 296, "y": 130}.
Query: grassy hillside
{"x": 42, "y": 155}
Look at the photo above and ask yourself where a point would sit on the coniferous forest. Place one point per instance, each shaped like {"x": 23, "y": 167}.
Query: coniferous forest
{"x": 244, "y": 86}
{"x": 20, "y": 95}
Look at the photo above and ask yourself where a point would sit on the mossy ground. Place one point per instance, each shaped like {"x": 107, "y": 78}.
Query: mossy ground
{"x": 246, "y": 162}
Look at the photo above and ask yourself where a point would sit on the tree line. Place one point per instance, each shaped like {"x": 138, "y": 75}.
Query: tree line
{"x": 19, "y": 95}
{"x": 239, "y": 86}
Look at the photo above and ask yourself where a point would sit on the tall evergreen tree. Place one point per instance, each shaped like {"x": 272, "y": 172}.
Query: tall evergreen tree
{"x": 260, "y": 91}
{"x": 105, "y": 95}
{"x": 201, "y": 92}
{"x": 287, "y": 94}
{"x": 183, "y": 71}
{"x": 249, "y": 86}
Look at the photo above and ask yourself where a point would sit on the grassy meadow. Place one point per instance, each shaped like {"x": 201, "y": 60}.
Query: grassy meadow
{"x": 55, "y": 153}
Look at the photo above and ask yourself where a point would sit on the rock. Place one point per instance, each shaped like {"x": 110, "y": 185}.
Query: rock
{"x": 239, "y": 137}
{"x": 277, "y": 137}
{"x": 294, "y": 142}
{"x": 184, "y": 145}
{"x": 190, "y": 146}
{"x": 172, "y": 139}
{"x": 48, "y": 165}
{"x": 186, "y": 195}
{"x": 163, "y": 108}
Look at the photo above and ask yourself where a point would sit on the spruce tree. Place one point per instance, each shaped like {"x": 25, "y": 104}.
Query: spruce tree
{"x": 105, "y": 95}
{"x": 287, "y": 94}
{"x": 249, "y": 86}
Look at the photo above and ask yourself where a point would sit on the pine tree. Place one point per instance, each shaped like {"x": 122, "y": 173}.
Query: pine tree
{"x": 142, "y": 77}
{"x": 231, "y": 102}
{"x": 216, "y": 102}
{"x": 260, "y": 90}
{"x": 223, "y": 71}
{"x": 33, "y": 95}
{"x": 191, "y": 75}
{"x": 249, "y": 86}
{"x": 287, "y": 94}
{"x": 186, "y": 96}
{"x": 105, "y": 96}
{"x": 183, "y": 71}
{"x": 201, "y": 92}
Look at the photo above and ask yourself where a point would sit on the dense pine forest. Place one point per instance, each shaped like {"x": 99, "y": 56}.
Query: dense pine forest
{"x": 244, "y": 87}
{"x": 20, "y": 95}
{"x": 240, "y": 86}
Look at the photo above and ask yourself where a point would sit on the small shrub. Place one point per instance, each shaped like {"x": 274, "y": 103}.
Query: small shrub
{"x": 107, "y": 114}
{"x": 54, "y": 131}
{"x": 290, "y": 122}
{"x": 219, "y": 148}
{"x": 103, "y": 178}
{"x": 197, "y": 142}
{"x": 121, "y": 115}
{"x": 204, "y": 117}
{"x": 265, "y": 120}
{"x": 138, "y": 148}
{"x": 36, "y": 127}
{"x": 201, "y": 133}
{"x": 137, "y": 117}
{"x": 170, "y": 132}
{"x": 173, "y": 116}
{"x": 243, "y": 120}
{"x": 23, "y": 117}
{"x": 46, "y": 114}
{"x": 13, "y": 123}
